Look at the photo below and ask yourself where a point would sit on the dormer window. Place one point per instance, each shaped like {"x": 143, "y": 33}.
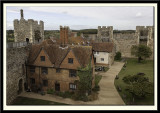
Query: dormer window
{"x": 70, "y": 60}
{"x": 42, "y": 58}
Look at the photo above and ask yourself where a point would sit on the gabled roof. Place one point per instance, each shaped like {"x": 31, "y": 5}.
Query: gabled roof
{"x": 57, "y": 54}
{"x": 103, "y": 47}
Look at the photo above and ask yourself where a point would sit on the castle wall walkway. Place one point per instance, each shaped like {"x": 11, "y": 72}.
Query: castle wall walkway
{"x": 108, "y": 94}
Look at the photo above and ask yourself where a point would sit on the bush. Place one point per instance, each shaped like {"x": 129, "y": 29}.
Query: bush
{"x": 50, "y": 91}
{"x": 106, "y": 69}
{"x": 96, "y": 88}
{"x": 118, "y": 56}
{"x": 65, "y": 94}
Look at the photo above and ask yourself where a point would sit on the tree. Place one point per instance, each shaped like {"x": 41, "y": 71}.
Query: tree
{"x": 138, "y": 85}
{"x": 85, "y": 82}
{"x": 118, "y": 56}
{"x": 37, "y": 35}
{"x": 141, "y": 51}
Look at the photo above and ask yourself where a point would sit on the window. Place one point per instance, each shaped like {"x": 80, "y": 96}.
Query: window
{"x": 45, "y": 82}
{"x": 102, "y": 59}
{"x": 72, "y": 73}
{"x": 58, "y": 70}
{"x": 70, "y": 60}
{"x": 32, "y": 81}
{"x": 42, "y": 58}
{"x": 32, "y": 69}
{"x": 72, "y": 86}
{"x": 44, "y": 70}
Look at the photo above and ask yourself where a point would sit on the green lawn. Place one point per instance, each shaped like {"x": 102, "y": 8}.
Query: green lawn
{"x": 97, "y": 79}
{"x": 30, "y": 101}
{"x": 132, "y": 68}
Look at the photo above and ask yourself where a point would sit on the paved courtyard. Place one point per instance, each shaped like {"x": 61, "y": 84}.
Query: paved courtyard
{"x": 108, "y": 94}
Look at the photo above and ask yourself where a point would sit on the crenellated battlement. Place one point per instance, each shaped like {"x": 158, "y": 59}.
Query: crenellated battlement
{"x": 24, "y": 30}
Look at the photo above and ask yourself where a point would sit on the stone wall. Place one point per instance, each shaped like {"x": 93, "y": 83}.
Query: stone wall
{"x": 16, "y": 74}
{"x": 105, "y": 34}
{"x": 25, "y": 29}
{"x": 124, "y": 42}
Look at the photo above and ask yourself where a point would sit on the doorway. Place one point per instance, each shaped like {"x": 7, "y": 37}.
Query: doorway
{"x": 57, "y": 87}
{"x": 27, "y": 40}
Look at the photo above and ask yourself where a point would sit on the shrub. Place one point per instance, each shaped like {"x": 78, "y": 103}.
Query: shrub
{"x": 106, "y": 69}
{"x": 117, "y": 56}
{"x": 96, "y": 88}
{"x": 50, "y": 91}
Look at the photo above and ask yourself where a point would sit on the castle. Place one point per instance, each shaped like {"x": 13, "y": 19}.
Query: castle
{"x": 124, "y": 41}
{"x": 32, "y": 32}
{"x": 28, "y": 30}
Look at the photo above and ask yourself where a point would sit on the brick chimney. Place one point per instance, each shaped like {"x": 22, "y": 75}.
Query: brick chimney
{"x": 64, "y": 35}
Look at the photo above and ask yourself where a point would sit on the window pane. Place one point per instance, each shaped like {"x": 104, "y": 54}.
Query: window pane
{"x": 70, "y": 60}
{"x": 44, "y": 70}
{"x": 42, "y": 58}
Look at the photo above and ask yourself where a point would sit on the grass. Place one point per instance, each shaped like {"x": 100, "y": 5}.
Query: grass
{"x": 30, "y": 101}
{"x": 132, "y": 68}
{"x": 97, "y": 79}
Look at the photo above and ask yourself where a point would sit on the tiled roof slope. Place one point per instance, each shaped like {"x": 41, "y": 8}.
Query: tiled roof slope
{"x": 57, "y": 54}
{"x": 103, "y": 47}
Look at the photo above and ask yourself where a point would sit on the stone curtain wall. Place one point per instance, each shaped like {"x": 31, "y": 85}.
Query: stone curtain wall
{"x": 15, "y": 71}
{"x": 124, "y": 43}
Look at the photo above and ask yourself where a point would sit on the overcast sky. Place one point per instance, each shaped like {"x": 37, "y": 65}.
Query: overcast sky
{"x": 121, "y": 18}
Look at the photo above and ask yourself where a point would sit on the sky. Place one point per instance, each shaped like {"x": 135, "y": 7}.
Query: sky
{"x": 121, "y": 17}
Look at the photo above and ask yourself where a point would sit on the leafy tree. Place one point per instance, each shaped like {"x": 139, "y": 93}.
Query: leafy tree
{"x": 141, "y": 51}
{"x": 138, "y": 85}
{"x": 37, "y": 35}
{"x": 118, "y": 56}
{"x": 85, "y": 81}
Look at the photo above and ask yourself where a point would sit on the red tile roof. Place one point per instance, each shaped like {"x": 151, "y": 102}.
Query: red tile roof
{"x": 103, "y": 47}
{"x": 57, "y": 54}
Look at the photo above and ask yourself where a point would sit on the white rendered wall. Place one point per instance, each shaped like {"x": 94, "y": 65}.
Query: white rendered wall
{"x": 104, "y": 55}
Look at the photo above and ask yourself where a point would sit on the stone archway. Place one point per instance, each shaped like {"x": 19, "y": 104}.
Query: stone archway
{"x": 27, "y": 40}
{"x": 20, "y": 86}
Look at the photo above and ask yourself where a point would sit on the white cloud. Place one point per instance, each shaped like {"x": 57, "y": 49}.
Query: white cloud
{"x": 138, "y": 14}
{"x": 12, "y": 11}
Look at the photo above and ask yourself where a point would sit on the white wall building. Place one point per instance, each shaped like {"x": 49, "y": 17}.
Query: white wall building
{"x": 104, "y": 53}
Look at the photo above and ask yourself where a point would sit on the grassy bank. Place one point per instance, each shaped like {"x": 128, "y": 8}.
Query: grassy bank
{"x": 132, "y": 68}
{"x": 30, "y": 101}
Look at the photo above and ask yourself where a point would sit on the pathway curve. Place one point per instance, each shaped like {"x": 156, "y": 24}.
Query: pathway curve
{"x": 108, "y": 94}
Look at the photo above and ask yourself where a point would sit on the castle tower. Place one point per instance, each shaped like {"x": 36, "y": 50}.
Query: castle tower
{"x": 64, "y": 35}
{"x": 28, "y": 30}
{"x": 105, "y": 34}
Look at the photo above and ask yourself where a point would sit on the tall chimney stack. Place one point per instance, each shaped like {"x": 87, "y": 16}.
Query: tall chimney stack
{"x": 22, "y": 14}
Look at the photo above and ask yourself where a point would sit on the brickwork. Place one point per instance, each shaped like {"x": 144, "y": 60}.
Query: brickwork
{"x": 64, "y": 35}
{"x": 65, "y": 63}
{"x": 47, "y": 61}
